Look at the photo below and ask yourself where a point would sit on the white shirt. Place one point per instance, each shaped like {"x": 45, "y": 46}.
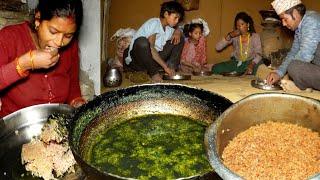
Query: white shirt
{"x": 149, "y": 28}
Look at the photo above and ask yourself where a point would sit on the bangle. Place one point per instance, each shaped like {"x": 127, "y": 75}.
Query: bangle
{"x": 31, "y": 59}
{"x": 77, "y": 101}
{"x": 22, "y": 72}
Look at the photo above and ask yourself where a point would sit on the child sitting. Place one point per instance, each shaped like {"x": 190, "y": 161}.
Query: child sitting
{"x": 157, "y": 44}
{"x": 193, "y": 55}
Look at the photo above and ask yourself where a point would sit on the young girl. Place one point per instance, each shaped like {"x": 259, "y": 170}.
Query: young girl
{"x": 193, "y": 55}
{"x": 246, "y": 44}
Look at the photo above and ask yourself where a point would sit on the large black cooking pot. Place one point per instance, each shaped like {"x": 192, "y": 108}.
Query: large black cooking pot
{"x": 123, "y": 104}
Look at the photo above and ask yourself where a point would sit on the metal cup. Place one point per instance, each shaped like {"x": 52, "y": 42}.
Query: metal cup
{"x": 112, "y": 78}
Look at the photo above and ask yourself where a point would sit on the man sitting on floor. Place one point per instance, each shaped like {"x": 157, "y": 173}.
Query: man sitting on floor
{"x": 303, "y": 61}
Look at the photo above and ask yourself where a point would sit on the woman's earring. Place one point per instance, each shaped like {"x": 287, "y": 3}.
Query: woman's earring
{"x": 248, "y": 27}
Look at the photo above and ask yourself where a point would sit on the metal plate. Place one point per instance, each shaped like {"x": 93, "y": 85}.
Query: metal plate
{"x": 262, "y": 84}
{"x": 232, "y": 74}
{"x": 202, "y": 73}
{"x": 176, "y": 77}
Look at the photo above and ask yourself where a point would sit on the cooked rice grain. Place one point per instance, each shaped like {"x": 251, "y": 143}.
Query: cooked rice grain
{"x": 274, "y": 150}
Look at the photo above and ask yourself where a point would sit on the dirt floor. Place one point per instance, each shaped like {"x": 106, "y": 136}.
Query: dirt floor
{"x": 233, "y": 88}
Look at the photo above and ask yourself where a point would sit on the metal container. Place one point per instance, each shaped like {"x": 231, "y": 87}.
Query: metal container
{"x": 123, "y": 104}
{"x": 112, "y": 77}
{"x": 202, "y": 73}
{"x": 262, "y": 84}
{"x": 254, "y": 110}
{"x": 232, "y": 74}
{"x": 177, "y": 77}
{"x": 19, "y": 128}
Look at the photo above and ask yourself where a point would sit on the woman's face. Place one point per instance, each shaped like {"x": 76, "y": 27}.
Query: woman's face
{"x": 56, "y": 33}
{"x": 242, "y": 26}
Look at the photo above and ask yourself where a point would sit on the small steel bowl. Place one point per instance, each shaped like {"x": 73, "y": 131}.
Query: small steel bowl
{"x": 202, "y": 73}
{"x": 262, "y": 84}
{"x": 176, "y": 77}
{"x": 232, "y": 74}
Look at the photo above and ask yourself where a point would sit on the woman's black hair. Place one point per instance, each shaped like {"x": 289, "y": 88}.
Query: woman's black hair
{"x": 172, "y": 7}
{"x": 61, "y": 8}
{"x": 247, "y": 19}
{"x": 301, "y": 8}
{"x": 188, "y": 28}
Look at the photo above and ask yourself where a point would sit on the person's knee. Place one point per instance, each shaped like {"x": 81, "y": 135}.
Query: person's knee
{"x": 294, "y": 69}
{"x": 142, "y": 42}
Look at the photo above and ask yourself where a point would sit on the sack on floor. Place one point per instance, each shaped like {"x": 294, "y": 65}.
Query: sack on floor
{"x": 123, "y": 39}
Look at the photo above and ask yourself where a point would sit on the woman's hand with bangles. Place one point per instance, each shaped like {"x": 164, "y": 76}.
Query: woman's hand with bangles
{"x": 250, "y": 68}
{"x": 38, "y": 59}
{"x": 232, "y": 34}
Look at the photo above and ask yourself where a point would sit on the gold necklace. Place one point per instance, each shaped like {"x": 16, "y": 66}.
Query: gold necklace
{"x": 245, "y": 56}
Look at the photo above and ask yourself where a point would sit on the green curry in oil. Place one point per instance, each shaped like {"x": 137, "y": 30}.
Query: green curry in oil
{"x": 151, "y": 147}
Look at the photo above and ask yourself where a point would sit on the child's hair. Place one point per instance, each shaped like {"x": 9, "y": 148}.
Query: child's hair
{"x": 188, "y": 28}
{"x": 247, "y": 19}
{"x": 172, "y": 7}
{"x": 61, "y": 8}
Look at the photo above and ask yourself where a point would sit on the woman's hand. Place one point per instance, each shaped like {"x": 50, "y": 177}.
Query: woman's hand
{"x": 77, "y": 102}
{"x": 232, "y": 34}
{"x": 38, "y": 59}
{"x": 250, "y": 67}
{"x": 235, "y": 33}
{"x": 45, "y": 58}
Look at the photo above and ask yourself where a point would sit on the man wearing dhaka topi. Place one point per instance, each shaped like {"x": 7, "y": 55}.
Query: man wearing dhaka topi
{"x": 302, "y": 63}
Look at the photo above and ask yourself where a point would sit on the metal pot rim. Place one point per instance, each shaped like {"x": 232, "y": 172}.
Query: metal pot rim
{"x": 79, "y": 111}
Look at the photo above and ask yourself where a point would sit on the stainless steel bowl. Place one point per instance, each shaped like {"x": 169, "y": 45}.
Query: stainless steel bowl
{"x": 202, "y": 73}
{"x": 177, "y": 77}
{"x": 17, "y": 129}
{"x": 112, "y": 78}
{"x": 253, "y": 110}
{"x": 232, "y": 74}
{"x": 262, "y": 84}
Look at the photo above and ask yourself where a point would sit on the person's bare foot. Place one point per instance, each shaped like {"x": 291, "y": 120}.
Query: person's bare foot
{"x": 309, "y": 90}
{"x": 289, "y": 86}
{"x": 157, "y": 78}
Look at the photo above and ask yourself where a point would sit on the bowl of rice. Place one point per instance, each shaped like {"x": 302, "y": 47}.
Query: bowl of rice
{"x": 267, "y": 136}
